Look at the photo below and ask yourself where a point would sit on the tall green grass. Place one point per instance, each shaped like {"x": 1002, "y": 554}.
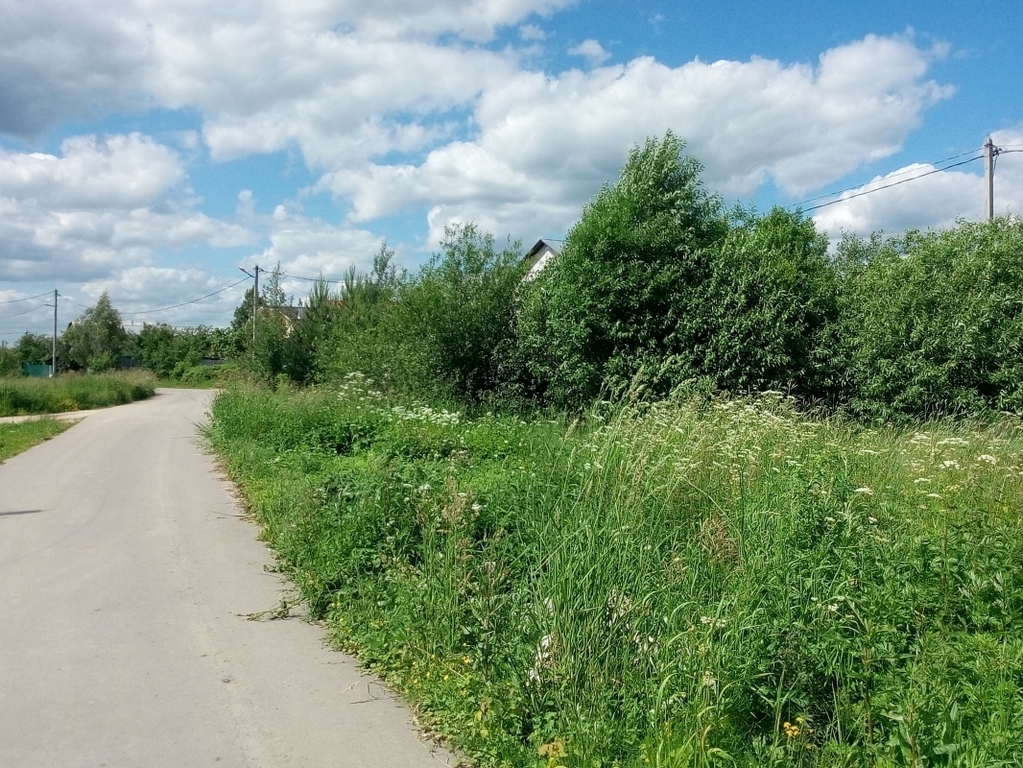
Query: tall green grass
{"x": 73, "y": 392}
{"x": 690, "y": 583}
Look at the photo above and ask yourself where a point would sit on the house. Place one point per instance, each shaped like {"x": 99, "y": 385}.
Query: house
{"x": 539, "y": 256}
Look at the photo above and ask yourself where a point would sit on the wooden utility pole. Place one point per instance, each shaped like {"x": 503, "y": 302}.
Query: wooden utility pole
{"x": 989, "y": 176}
{"x": 53, "y": 358}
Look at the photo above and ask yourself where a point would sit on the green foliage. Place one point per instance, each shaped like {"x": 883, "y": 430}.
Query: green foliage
{"x": 437, "y": 333}
{"x": 772, "y": 300}
{"x": 73, "y": 392}
{"x": 34, "y": 349}
{"x": 933, "y": 323}
{"x": 664, "y": 584}
{"x": 10, "y": 362}
{"x": 311, "y": 333}
{"x": 95, "y": 341}
{"x": 629, "y": 290}
{"x": 358, "y": 338}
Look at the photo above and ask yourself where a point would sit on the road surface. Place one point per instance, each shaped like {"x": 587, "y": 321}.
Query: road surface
{"x": 126, "y": 576}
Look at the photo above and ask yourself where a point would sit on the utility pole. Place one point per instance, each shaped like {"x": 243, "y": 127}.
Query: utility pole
{"x": 990, "y": 150}
{"x": 53, "y": 353}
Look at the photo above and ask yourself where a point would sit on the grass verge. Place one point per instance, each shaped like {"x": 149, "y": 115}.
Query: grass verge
{"x": 73, "y": 392}
{"x": 691, "y": 583}
{"x": 15, "y": 438}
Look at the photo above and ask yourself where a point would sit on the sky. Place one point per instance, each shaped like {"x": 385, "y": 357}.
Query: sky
{"x": 154, "y": 148}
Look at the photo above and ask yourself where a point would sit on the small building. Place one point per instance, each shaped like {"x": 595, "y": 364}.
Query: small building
{"x": 539, "y": 256}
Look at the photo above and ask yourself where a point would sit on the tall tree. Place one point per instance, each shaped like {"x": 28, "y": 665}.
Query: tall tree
{"x": 97, "y": 339}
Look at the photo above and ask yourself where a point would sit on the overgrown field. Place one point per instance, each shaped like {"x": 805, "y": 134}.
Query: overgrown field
{"x": 687, "y": 583}
{"x": 15, "y": 438}
{"x": 73, "y": 392}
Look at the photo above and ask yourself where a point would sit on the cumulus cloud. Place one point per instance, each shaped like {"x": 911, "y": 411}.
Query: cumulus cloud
{"x": 93, "y": 172}
{"x": 546, "y": 143}
{"x": 105, "y": 203}
{"x": 309, "y": 247}
{"x": 592, "y": 51}
{"x": 919, "y": 196}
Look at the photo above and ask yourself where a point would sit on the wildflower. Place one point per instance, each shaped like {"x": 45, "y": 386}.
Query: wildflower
{"x": 933, "y": 496}
{"x": 708, "y": 680}
{"x": 951, "y": 464}
{"x": 987, "y": 458}
{"x": 865, "y": 491}
{"x": 791, "y": 731}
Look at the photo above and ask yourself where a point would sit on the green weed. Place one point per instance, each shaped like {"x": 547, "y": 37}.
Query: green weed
{"x": 688, "y": 583}
{"x": 73, "y": 392}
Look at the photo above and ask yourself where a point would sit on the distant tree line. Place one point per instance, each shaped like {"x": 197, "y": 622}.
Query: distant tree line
{"x": 659, "y": 286}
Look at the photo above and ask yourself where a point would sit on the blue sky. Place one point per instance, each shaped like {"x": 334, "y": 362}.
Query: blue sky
{"x": 153, "y": 149}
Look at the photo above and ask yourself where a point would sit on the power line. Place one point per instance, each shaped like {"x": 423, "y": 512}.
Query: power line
{"x": 185, "y": 303}
{"x": 892, "y": 176}
{"x": 27, "y": 298}
{"x": 310, "y": 279}
{"x": 889, "y": 186}
{"x": 19, "y": 314}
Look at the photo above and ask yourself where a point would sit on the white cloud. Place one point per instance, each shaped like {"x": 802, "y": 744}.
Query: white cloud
{"x": 93, "y": 172}
{"x": 545, "y": 144}
{"x": 592, "y": 51}
{"x": 532, "y": 33}
{"x": 105, "y": 203}
{"x": 917, "y": 197}
{"x": 308, "y": 247}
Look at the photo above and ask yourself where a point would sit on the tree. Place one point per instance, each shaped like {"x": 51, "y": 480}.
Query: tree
{"x": 771, "y": 301}
{"x": 34, "y": 349}
{"x": 628, "y": 292}
{"x": 96, "y": 340}
{"x": 450, "y": 321}
{"x": 933, "y": 322}
{"x": 311, "y": 333}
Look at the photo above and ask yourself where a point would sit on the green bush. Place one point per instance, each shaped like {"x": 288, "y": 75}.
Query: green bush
{"x": 933, "y": 323}
{"x": 436, "y": 333}
{"x": 628, "y": 292}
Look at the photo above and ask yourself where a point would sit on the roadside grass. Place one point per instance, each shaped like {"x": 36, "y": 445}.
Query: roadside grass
{"x": 691, "y": 583}
{"x": 15, "y": 438}
{"x": 73, "y": 392}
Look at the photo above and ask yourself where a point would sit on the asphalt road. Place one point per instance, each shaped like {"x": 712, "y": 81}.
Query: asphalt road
{"x": 127, "y": 574}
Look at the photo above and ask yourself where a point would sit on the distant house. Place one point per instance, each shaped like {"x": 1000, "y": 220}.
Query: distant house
{"x": 539, "y": 256}
{"x": 292, "y": 317}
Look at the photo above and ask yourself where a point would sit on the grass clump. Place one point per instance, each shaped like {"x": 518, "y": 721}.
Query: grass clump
{"x": 685, "y": 583}
{"x": 16, "y": 438}
{"x": 73, "y": 392}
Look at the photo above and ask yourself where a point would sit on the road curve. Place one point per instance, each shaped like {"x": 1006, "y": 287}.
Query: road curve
{"x": 126, "y": 576}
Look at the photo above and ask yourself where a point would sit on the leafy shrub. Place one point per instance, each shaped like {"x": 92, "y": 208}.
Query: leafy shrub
{"x": 933, "y": 323}
{"x": 629, "y": 289}
{"x": 440, "y": 334}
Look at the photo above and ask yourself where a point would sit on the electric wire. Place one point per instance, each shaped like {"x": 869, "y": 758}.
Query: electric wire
{"x": 19, "y": 314}
{"x": 27, "y": 298}
{"x": 892, "y": 176}
{"x": 186, "y": 303}
{"x": 889, "y": 186}
{"x": 310, "y": 279}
